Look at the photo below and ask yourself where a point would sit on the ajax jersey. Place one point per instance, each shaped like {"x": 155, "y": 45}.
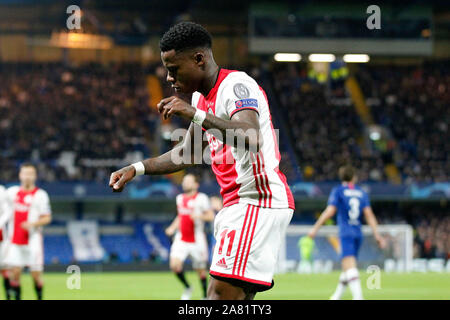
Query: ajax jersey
{"x": 24, "y": 206}
{"x": 190, "y": 229}
{"x": 245, "y": 177}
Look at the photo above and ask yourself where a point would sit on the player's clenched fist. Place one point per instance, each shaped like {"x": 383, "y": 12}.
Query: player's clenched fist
{"x": 119, "y": 179}
{"x": 174, "y": 105}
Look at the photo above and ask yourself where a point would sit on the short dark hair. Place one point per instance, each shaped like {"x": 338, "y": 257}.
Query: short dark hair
{"x": 185, "y": 35}
{"x": 346, "y": 173}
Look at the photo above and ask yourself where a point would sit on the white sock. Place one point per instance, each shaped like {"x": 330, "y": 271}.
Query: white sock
{"x": 354, "y": 283}
{"x": 340, "y": 289}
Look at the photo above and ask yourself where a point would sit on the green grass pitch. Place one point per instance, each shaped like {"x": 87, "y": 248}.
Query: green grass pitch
{"x": 164, "y": 285}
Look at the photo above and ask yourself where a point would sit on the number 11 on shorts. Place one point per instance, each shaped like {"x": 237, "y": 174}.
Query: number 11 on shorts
{"x": 230, "y": 235}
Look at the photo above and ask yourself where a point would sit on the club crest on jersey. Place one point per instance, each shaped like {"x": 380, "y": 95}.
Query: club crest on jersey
{"x": 241, "y": 91}
{"x": 244, "y": 103}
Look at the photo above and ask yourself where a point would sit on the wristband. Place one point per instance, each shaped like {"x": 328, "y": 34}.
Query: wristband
{"x": 140, "y": 169}
{"x": 199, "y": 117}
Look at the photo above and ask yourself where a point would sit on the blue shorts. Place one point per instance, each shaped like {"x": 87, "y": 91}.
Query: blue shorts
{"x": 350, "y": 246}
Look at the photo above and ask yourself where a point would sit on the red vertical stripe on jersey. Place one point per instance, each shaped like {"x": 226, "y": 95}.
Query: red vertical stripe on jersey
{"x": 251, "y": 239}
{"x": 246, "y": 238}
{"x": 240, "y": 239}
{"x": 20, "y": 235}
{"x": 256, "y": 179}
{"x": 282, "y": 177}
{"x": 261, "y": 178}
{"x": 187, "y": 225}
{"x": 266, "y": 178}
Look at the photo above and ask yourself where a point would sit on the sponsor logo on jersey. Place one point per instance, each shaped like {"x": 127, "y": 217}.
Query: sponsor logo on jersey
{"x": 244, "y": 103}
{"x": 353, "y": 193}
{"x": 21, "y": 207}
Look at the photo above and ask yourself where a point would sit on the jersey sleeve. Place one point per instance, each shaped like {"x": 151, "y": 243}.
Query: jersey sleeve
{"x": 195, "y": 98}
{"x": 365, "y": 200}
{"x": 333, "y": 198}
{"x": 44, "y": 204}
{"x": 5, "y": 208}
{"x": 240, "y": 93}
{"x": 205, "y": 204}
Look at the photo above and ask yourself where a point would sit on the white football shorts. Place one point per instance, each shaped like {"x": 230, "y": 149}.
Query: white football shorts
{"x": 3, "y": 248}
{"x": 248, "y": 240}
{"x": 197, "y": 251}
{"x": 30, "y": 255}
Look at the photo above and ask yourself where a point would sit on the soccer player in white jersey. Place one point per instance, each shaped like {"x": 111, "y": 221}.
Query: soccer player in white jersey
{"x": 193, "y": 210}
{"x": 234, "y": 110}
{"x": 3, "y": 245}
{"x": 27, "y": 211}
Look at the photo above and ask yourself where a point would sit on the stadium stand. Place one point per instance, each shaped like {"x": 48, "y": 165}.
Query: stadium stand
{"x": 114, "y": 121}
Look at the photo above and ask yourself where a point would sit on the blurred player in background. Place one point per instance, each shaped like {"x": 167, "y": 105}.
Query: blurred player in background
{"x": 194, "y": 209}
{"x": 350, "y": 202}
{"x": 27, "y": 211}
{"x": 258, "y": 203}
{"x": 3, "y": 244}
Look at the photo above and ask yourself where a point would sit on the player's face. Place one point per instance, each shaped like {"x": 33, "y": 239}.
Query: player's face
{"x": 27, "y": 176}
{"x": 189, "y": 184}
{"x": 183, "y": 71}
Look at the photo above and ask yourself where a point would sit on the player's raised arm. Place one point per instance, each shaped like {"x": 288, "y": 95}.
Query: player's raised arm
{"x": 243, "y": 125}
{"x": 163, "y": 164}
{"x": 372, "y": 222}
{"x": 328, "y": 213}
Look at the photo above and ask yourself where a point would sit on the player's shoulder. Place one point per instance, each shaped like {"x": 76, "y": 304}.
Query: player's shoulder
{"x": 237, "y": 80}
{"x": 337, "y": 188}
{"x": 41, "y": 193}
{"x": 2, "y": 189}
{"x": 12, "y": 190}
{"x": 202, "y": 196}
{"x": 360, "y": 188}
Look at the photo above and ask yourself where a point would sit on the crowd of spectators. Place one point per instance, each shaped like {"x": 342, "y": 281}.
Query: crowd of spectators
{"x": 93, "y": 111}
{"x": 413, "y": 102}
{"x": 102, "y": 112}
{"x": 410, "y": 102}
{"x": 432, "y": 237}
{"x": 325, "y": 135}
{"x": 431, "y": 224}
